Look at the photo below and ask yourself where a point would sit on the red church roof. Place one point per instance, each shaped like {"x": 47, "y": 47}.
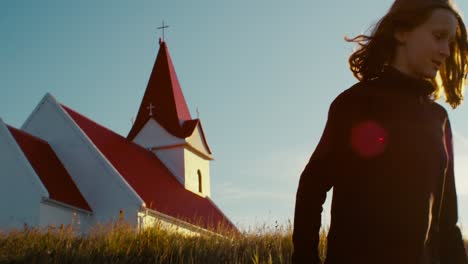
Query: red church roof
{"x": 50, "y": 170}
{"x": 163, "y": 100}
{"x": 148, "y": 176}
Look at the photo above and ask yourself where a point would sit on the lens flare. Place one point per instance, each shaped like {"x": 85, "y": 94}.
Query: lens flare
{"x": 368, "y": 139}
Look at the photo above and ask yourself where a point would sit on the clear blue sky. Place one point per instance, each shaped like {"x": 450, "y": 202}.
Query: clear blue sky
{"x": 262, "y": 74}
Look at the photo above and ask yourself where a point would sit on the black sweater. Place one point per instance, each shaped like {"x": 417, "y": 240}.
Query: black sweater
{"x": 387, "y": 152}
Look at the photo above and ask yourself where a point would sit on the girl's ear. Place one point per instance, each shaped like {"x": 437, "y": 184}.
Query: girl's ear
{"x": 400, "y": 37}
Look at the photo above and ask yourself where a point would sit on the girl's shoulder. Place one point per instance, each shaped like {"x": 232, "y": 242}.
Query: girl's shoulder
{"x": 363, "y": 93}
{"x": 439, "y": 110}
{"x": 353, "y": 95}
{"x": 358, "y": 90}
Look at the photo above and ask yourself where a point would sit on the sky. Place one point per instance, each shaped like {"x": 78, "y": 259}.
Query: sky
{"x": 262, "y": 74}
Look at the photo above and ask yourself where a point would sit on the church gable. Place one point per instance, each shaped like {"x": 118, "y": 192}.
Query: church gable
{"x": 36, "y": 189}
{"x": 153, "y": 135}
{"x": 21, "y": 190}
{"x": 14, "y": 161}
{"x": 90, "y": 170}
{"x": 198, "y": 142}
{"x": 187, "y": 159}
{"x": 50, "y": 170}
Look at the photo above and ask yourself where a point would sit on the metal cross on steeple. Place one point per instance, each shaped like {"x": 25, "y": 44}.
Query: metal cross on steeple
{"x": 150, "y": 108}
{"x": 163, "y": 27}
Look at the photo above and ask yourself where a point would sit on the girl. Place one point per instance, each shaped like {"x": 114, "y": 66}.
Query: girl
{"x": 387, "y": 147}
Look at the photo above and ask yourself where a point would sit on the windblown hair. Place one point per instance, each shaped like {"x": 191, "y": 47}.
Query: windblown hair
{"x": 378, "y": 49}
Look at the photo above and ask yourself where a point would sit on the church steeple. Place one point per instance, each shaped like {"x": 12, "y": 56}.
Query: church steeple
{"x": 163, "y": 100}
{"x": 164, "y": 127}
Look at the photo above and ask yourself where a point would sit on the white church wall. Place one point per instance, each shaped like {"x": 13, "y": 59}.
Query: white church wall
{"x": 168, "y": 148}
{"x": 103, "y": 187}
{"x": 196, "y": 141}
{"x": 148, "y": 221}
{"x": 182, "y": 163}
{"x": 151, "y": 218}
{"x": 21, "y": 189}
{"x": 193, "y": 164}
{"x": 153, "y": 135}
{"x": 173, "y": 159}
{"x": 55, "y": 214}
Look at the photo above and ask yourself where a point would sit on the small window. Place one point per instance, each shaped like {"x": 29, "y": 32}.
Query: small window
{"x": 199, "y": 181}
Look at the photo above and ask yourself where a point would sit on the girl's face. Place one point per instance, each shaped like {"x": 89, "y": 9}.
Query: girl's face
{"x": 423, "y": 50}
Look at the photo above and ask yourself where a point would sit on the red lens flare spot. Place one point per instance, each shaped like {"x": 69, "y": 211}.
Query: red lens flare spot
{"x": 368, "y": 139}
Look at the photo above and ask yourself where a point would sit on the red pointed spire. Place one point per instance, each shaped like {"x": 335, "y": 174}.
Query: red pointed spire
{"x": 163, "y": 99}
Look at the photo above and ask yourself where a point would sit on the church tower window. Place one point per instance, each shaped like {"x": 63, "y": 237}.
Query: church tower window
{"x": 199, "y": 181}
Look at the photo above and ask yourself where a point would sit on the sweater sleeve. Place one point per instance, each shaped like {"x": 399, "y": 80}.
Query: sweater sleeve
{"x": 452, "y": 249}
{"x": 314, "y": 183}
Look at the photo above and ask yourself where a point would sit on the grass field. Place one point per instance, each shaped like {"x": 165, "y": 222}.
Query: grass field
{"x": 121, "y": 244}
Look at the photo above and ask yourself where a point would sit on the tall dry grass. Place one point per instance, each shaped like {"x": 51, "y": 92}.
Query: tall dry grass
{"x": 122, "y": 244}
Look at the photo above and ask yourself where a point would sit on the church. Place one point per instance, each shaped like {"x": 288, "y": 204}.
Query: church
{"x": 61, "y": 167}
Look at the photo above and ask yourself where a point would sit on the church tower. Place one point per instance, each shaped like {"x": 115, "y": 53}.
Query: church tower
{"x": 165, "y": 127}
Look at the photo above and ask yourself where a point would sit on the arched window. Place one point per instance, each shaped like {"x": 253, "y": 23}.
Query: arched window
{"x": 199, "y": 181}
